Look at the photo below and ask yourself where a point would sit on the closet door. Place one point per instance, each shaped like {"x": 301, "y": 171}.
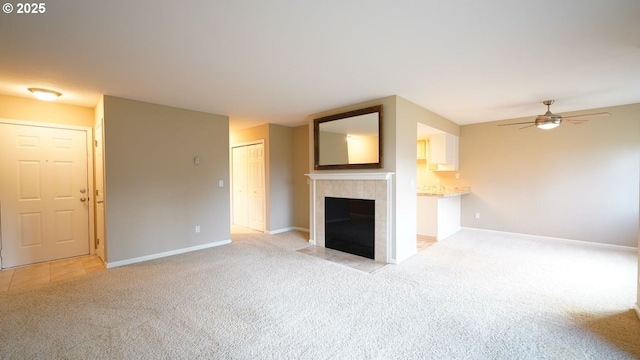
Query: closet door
{"x": 255, "y": 186}
{"x": 239, "y": 173}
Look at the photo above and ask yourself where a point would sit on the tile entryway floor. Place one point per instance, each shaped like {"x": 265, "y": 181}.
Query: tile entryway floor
{"x": 33, "y": 276}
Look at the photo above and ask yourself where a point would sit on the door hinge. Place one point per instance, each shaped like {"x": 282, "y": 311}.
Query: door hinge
{"x": 96, "y": 143}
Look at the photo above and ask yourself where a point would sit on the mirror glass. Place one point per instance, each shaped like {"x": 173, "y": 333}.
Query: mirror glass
{"x": 351, "y": 140}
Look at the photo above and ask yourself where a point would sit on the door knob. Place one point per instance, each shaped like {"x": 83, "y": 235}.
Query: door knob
{"x": 100, "y": 201}
{"x": 83, "y": 199}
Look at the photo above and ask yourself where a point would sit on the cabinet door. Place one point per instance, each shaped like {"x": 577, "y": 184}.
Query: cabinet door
{"x": 427, "y": 222}
{"x": 422, "y": 149}
{"x": 443, "y": 152}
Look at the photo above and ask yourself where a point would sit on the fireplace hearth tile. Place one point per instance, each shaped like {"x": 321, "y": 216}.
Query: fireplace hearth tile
{"x": 342, "y": 258}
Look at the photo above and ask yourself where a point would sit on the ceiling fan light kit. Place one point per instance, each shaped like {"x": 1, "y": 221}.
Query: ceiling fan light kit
{"x": 547, "y": 124}
{"x": 550, "y": 120}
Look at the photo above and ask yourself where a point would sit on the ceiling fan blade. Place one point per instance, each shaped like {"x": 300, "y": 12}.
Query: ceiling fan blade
{"x": 574, "y": 122}
{"x": 522, "y": 123}
{"x": 526, "y": 126}
{"x": 590, "y": 116}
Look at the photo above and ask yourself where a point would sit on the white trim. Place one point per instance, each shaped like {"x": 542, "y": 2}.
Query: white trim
{"x": 165, "y": 254}
{"x": 399, "y": 260}
{"x": 636, "y": 307}
{"x": 279, "y": 231}
{"x": 247, "y": 143}
{"x": 45, "y": 124}
{"x": 548, "y": 238}
{"x": 391, "y": 220}
{"x": 312, "y": 212}
{"x": 351, "y": 176}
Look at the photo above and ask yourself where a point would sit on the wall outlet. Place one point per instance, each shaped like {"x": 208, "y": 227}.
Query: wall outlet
{"x": 220, "y": 183}
{"x": 477, "y": 215}
{"x": 197, "y": 228}
{"x": 457, "y": 176}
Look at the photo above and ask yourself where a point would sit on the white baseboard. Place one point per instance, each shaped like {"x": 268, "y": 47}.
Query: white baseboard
{"x": 548, "y": 238}
{"x": 637, "y": 308}
{"x": 401, "y": 259}
{"x": 110, "y": 265}
{"x": 273, "y": 232}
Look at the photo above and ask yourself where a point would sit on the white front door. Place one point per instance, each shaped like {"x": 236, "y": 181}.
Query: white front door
{"x": 44, "y": 194}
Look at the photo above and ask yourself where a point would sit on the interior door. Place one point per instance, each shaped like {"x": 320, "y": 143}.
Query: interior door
{"x": 44, "y": 194}
{"x": 99, "y": 189}
{"x": 239, "y": 173}
{"x": 255, "y": 186}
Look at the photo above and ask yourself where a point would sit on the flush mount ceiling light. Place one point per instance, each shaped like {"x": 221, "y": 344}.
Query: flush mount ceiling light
{"x": 45, "y": 94}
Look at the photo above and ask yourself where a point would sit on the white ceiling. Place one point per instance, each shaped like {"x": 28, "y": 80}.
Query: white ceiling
{"x": 279, "y": 61}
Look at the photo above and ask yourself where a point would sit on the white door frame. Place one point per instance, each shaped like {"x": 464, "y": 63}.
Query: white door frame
{"x": 264, "y": 178}
{"x": 89, "y": 147}
{"x": 100, "y": 247}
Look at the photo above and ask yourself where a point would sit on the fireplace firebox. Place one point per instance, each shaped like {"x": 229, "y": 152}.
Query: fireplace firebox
{"x": 350, "y": 226}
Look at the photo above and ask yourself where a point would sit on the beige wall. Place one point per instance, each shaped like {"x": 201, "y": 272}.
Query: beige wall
{"x": 574, "y": 182}
{"x": 155, "y": 194}
{"x": 279, "y": 197}
{"x": 281, "y": 174}
{"x": 17, "y": 108}
{"x": 300, "y": 186}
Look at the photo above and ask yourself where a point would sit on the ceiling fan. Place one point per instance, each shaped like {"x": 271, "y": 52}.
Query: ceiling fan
{"x": 550, "y": 120}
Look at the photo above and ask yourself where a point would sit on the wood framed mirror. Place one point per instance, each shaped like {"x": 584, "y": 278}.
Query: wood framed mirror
{"x": 350, "y": 140}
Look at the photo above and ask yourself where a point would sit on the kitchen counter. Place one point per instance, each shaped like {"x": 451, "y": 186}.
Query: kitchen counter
{"x": 439, "y": 210}
{"x": 444, "y": 191}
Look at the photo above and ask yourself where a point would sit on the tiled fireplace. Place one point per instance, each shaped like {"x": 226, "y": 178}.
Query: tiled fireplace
{"x": 366, "y": 186}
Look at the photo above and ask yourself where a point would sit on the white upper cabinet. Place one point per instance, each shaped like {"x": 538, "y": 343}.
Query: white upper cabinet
{"x": 443, "y": 152}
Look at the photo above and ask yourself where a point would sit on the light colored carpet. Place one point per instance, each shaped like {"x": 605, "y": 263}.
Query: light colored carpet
{"x": 476, "y": 295}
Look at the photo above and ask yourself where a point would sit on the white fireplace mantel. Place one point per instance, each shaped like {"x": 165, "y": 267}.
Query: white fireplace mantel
{"x": 351, "y": 176}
